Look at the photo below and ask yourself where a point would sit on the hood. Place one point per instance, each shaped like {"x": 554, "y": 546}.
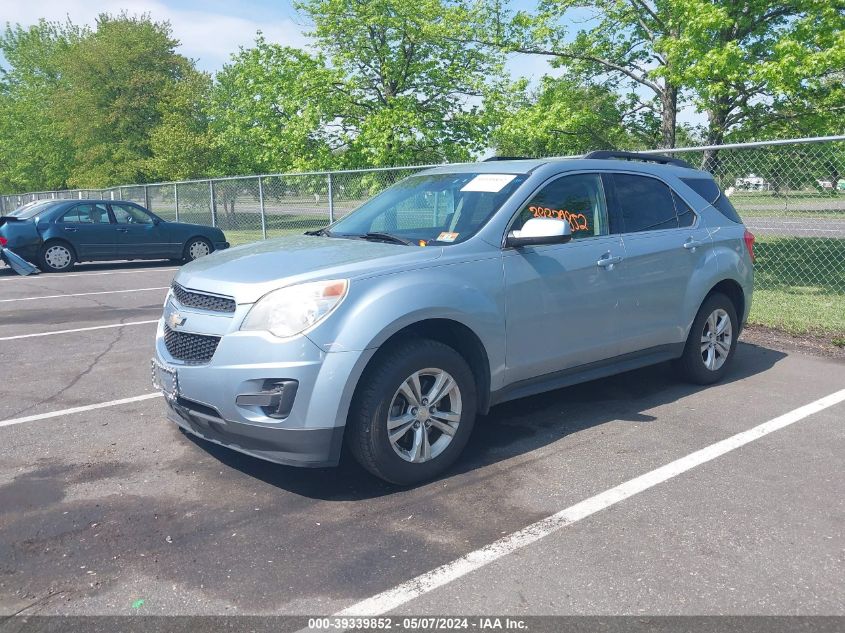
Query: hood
{"x": 249, "y": 272}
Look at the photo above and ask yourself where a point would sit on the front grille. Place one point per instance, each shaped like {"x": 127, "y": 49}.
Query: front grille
{"x": 191, "y": 299}
{"x": 191, "y": 348}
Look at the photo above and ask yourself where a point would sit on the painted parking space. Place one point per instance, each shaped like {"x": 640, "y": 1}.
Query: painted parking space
{"x": 93, "y": 478}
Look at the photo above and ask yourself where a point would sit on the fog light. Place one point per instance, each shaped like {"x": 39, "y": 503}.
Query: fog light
{"x": 275, "y": 398}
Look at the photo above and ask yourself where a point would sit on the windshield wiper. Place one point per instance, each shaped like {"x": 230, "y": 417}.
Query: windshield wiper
{"x": 384, "y": 237}
{"x": 323, "y": 232}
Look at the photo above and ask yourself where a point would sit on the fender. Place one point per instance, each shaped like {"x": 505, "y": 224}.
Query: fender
{"x": 380, "y": 306}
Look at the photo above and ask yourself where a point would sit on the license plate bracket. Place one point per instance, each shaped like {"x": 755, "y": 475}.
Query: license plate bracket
{"x": 165, "y": 379}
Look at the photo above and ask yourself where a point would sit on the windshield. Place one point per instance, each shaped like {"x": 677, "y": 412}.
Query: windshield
{"x": 437, "y": 208}
{"x": 31, "y": 209}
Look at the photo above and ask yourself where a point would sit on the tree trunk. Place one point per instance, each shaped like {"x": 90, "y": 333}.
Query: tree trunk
{"x": 716, "y": 119}
{"x": 669, "y": 115}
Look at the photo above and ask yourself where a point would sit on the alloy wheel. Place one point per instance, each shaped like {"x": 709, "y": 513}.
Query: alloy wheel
{"x": 716, "y": 338}
{"x": 424, "y": 415}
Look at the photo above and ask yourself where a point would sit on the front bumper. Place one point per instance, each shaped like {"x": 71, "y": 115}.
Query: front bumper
{"x": 293, "y": 447}
{"x": 211, "y": 403}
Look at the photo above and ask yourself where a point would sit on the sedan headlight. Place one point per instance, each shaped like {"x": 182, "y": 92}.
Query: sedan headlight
{"x": 291, "y": 310}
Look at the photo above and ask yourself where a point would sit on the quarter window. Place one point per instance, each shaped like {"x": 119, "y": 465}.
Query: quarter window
{"x": 645, "y": 203}
{"x": 686, "y": 217}
{"x": 577, "y": 199}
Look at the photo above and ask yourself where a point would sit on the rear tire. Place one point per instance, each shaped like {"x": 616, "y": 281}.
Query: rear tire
{"x": 405, "y": 429}
{"x": 710, "y": 345}
{"x": 56, "y": 257}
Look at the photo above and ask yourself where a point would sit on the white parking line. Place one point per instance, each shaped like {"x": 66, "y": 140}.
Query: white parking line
{"x": 79, "y": 329}
{"x": 87, "y": 407}
{"x": 425, "y": 583}
{"x": 82, "y": 294}
{"x": 66, "y": 275}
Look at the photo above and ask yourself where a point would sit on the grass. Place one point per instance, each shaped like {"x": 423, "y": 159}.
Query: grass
{"x": 277, "y": 226}
{"x": 800, "y": 285}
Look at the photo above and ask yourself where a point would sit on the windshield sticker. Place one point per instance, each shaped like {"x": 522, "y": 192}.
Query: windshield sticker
{"x": 488, "y": 183}
{"x": 445, "y": 236}
{"x": 578, "y": 221}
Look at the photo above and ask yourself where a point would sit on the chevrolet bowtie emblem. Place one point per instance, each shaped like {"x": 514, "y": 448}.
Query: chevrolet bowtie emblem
{"x": 175, "y": 320}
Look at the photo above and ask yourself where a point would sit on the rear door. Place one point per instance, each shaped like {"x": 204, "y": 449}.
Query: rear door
{"x": 664, "y": 245}
{"x": 89, "y": 229}
{"x": 139, "y": 235}
{"x": 561, "y": 303}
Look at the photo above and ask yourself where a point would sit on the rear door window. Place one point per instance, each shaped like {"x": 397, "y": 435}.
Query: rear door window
{"x": 645, "y": 204}
{"x": 709, "y": 190}
{"x": 87, "y": 214}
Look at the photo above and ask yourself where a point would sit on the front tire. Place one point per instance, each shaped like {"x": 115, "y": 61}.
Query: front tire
{"x": 56, "y": 257}
{"x": 413, "y": 412}
{"x": 710, "y": 345}
{"x": 197, "y": 247}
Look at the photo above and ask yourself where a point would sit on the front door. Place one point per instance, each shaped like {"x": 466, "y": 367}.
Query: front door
{"x": 562, "y": 298}
{"x": 140, "y": 236}
{"x": 88, "y": 228}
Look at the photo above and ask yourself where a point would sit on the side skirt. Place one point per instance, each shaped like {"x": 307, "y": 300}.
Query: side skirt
{"x": 585, "y": 373}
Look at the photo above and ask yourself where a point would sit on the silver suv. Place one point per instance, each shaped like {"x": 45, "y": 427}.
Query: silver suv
{"x": 456, "y": 289}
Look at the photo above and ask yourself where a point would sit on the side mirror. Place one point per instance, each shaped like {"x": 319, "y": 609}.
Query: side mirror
{"x": 156, "y": 221}
{"x": 537, "y": 231}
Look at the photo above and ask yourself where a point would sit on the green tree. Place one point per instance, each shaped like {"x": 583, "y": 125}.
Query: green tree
{"x": 109, "y": 101}
{"x": 182, "y": 145}
{"x": 408, "y": 91}
{"x": 745, "y": 62}
{"x": 269, "y": 110}
{"x": 731, "y": 58}
{"x": 34, "y": 154}
{"x": 564, "y": 117}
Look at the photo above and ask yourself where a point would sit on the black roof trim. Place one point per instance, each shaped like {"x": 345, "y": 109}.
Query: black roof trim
{"x": 650, "y": 158}
{"x": 495, "y": 158}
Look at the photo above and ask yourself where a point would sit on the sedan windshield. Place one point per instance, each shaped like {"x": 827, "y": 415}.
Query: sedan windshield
{"x": 437, "y": 208}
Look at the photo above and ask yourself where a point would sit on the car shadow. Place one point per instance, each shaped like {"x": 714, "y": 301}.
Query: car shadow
{"x": 5, "y": 271}
{"x": 510, "y": 429}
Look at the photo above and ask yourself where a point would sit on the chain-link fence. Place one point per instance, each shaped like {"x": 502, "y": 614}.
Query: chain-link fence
{"x": 791, "y": 195}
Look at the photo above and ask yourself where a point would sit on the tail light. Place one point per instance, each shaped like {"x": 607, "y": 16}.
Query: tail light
{"x": 748, "y": 238}
{"x": 3, "y": 241}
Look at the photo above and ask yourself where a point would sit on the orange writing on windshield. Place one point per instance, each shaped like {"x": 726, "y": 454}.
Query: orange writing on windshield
{"x": 578, "y": 221}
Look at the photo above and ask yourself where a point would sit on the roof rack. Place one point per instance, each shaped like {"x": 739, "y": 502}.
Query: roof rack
{"x": 495, "y": 158}
{"x": 650, "y": 158}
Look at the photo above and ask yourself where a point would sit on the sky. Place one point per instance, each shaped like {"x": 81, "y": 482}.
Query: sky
{"x": 211, "y": 30}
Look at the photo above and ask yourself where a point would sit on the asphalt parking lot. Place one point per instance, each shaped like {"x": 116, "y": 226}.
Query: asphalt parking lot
{"x": 112, "y": 510}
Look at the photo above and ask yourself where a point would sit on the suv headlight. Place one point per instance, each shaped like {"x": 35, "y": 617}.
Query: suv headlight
{"x": 291, "y": 310}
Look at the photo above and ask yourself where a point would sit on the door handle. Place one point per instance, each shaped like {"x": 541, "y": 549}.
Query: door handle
{"x": 71, "y": 229}
{"x": 123, "y": 230}
{"x": 692, "y": 244}
{"x": 608, "y": 262}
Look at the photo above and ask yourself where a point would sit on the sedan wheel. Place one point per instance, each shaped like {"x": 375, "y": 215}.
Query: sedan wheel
{"x": 197, "y": 248}
{"x": 56, "y": 258}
